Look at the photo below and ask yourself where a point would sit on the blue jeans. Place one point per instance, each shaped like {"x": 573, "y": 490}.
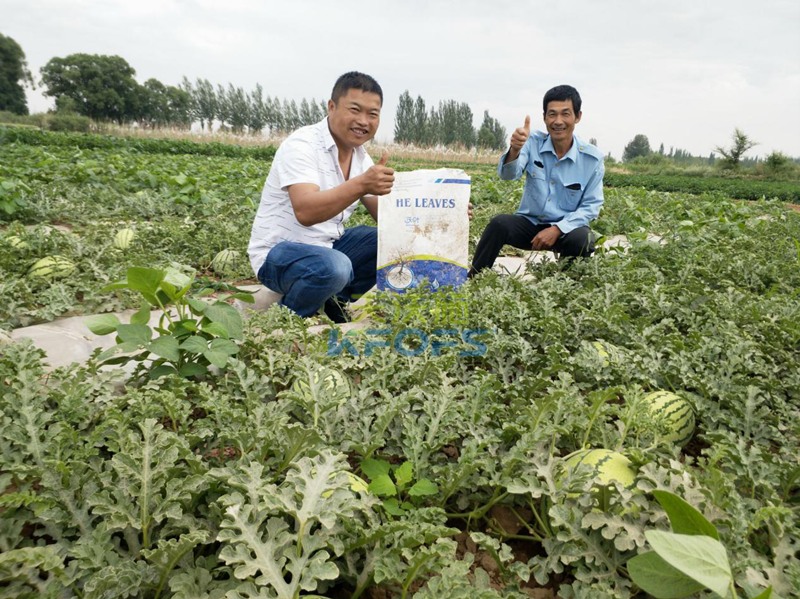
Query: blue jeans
{"x": 307, "y": 275}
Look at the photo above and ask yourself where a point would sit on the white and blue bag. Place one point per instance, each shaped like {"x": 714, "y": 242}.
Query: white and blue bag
{"x": 423, "y": 230}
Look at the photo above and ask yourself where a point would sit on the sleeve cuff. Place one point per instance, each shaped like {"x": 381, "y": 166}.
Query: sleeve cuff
{"x": 507, "y": 170}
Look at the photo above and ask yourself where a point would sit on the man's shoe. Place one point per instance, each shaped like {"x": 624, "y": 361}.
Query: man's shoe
{"x": 335, "y": 310}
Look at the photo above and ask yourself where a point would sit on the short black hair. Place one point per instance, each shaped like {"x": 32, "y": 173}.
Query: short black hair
{"x": 561, "y": 93}
{"x": 355, "y": 80}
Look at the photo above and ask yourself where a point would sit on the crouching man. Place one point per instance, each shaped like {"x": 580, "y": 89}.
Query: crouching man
{"x": 563, "y": 186}
{"x": 298, "y": 244}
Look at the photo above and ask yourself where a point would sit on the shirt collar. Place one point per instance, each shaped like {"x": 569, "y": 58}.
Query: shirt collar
{"x": 330, "y": 143}
{"x": 572, "y": 153}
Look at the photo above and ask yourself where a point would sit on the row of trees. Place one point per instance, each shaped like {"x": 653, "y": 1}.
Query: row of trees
{"x": 239, "y": 110}
{"x": 732, "y": 156}
{"x": 449, "y": 124}
{"x": 105, "y": 88}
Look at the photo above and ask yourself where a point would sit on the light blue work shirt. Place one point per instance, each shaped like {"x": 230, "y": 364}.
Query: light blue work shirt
{"x": 566, "y": 192}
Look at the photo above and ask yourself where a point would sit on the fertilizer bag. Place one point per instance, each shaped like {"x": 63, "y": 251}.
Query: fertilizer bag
{"x": 423, "y": 230}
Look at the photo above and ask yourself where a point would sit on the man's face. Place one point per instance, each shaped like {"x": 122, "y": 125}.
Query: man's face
{"x": 354, "y": 119}
{"x": 560, "y": 119}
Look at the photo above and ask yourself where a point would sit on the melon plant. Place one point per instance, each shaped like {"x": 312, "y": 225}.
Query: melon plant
{"x": 323, "y": 381}
{"x": 52, "y": 267}
{"x": 608, "y": 352}
{"x": 225, "y": 261}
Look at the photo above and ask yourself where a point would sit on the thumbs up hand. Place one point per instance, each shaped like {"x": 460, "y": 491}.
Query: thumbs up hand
{"x": 521, "y": 135}
{"x": 378, "y": 179}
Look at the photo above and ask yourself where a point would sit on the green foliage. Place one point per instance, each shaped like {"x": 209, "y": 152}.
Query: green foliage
{"x": 745, "y": 189}
{"x": 14, "y": 75}
{"x": 639, "y": 146}
{"x": 394, "y": 484}
{"x": 144, "y": 146}
{"x": 732, "y": 156}
{"x": 102, "y": 87}
{"x": 193, "y": 334}
{"x": 193, "y": 487}
{"x": 449, "y": 125}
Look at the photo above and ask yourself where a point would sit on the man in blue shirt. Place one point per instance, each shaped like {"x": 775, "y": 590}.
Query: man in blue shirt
{"x": 563, "y": 186}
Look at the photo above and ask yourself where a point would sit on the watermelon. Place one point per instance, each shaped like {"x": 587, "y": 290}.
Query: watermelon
{"x": 357, "y": 484}
{"x": 608, "y": 353}
{"x": 329, "y": 382}
{"x": 225, "y": 261}
{"x": 672, "y": 413}
{"x": 608, "y": 466}
{"x": 123, "y": 238}
{"x": 52, "y": 267}
{"x": 16, "y": 242}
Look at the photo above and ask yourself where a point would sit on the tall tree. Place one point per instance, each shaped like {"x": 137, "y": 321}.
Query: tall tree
{"x": 238, "y": 107}
{"x": 316, "y": 111}
{"x": 306, "y": 117}
{"x": 258, "y": 110}
{"x": 207, "y": 102}
{"x": 224, "y": 110}
{"x": 14, "y": 75}
{"x": 420, "y": 131}
{"x": 179, "y": 103}
{"x": 732, "y": 155}
{"x": 193, "y": 105}
{"x": 491, "y": 135}
{"x": 638, "y": 146}
{"x": 404, "y": 119}
{"x": 102, "y": 87}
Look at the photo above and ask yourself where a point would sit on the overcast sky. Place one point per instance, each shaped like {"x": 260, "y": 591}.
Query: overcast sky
{"x": 684, "y": 73}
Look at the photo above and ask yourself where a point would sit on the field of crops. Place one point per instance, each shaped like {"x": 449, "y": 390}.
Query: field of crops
{"x": 434, "y": 475}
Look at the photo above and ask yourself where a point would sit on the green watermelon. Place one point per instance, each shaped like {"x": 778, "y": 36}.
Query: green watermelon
{"x": 225, "y": 261}
{"x": 673, "y": 413}
{"x": 52, "y": 267}
{"x": 123, "y": 238}
{"x": 608, "y": 466}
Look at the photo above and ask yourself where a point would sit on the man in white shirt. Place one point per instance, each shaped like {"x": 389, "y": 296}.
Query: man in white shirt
{"x": 298, "y": 244}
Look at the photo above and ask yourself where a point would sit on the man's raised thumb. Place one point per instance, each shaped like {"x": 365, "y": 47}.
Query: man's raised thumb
{"x": 528, "y": 123}
{"x": 384, "y": 159}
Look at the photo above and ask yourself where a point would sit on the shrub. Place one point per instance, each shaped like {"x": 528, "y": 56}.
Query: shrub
{"x": 68, "y": 122}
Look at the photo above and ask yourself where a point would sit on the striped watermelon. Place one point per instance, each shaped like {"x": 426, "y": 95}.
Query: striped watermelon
{"x": 608, "y": 466}
{"x": 673, "y": 413}
{"x": 16, "y": 242}
{"x": 608, "y": 352}
{"x": 357, "y": 484}
{"x": 52, "y": 267}
{"x": 123, "y": 238}
{"x": 225, "y": 261}
{"x": 329, "y": 383}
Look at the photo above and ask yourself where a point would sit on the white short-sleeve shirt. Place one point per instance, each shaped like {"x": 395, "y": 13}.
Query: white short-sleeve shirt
{"x": 309, "y": 155}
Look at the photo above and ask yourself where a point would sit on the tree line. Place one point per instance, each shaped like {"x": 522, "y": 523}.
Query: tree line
{"x": 448, "y": 124}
